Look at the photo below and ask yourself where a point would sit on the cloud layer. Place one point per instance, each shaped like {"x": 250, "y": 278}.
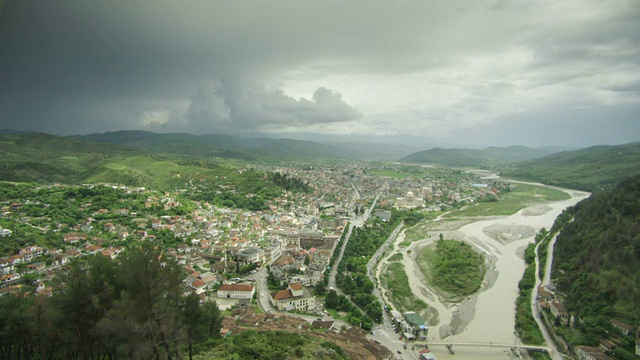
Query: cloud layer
{"x": 465, "y": 73}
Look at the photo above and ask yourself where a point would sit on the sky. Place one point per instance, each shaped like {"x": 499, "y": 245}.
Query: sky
{"x": 466, "y": 74}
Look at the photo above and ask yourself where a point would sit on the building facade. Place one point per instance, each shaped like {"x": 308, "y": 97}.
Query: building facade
{"x": 296, "y": 297}
{"x": 236, "y": 291}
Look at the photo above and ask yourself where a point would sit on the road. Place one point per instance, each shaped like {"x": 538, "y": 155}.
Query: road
{"x": 260, "y": 279}
{"x": 555, "y": 355}
{"x": 358, "y": 221}
{"x": 385, "y": 333}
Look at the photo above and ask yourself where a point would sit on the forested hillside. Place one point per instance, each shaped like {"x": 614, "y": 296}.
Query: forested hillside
{"x": 590, "y": 169}
{"x": 597, "y": 256}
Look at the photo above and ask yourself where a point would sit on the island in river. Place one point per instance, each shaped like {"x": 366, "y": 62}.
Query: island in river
{"x": 487, "y": 317}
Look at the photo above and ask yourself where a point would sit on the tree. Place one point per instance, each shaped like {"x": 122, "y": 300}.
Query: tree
{"x": 213, "y": 318}
{"x": 145, "y": 320}
{"x": 75, "y": 314}
{"x": 195, "y": 323}
{"x": 319, "y": 288}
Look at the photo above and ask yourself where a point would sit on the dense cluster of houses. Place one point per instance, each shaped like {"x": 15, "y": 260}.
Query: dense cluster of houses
{"x": 297, "y": 234}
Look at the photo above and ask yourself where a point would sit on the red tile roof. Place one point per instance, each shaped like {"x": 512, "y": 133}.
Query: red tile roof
{"x": 296, "y": 286}
{"x": 198, "y": 283}
{"x": 281, "y": 295}
{"x": 235, "y": 287}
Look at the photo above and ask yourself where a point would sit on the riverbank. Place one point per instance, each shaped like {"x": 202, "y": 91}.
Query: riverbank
{"x": 489, "y": 315}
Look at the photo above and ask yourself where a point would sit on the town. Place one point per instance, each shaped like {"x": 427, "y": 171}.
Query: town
{"x": 297, "y": 234}
{"x": 228, "y": 254}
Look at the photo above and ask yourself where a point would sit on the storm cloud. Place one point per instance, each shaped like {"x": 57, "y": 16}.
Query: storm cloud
{"x": 465, "y": 73}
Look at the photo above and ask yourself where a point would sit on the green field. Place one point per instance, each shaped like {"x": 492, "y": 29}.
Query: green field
{"x": 395, "y": 280}
{"x": 520, "y": 196}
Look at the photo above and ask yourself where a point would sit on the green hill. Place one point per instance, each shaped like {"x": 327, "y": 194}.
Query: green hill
{"x": 37, "y": 157}
{"x": 44, "y": 158}
{"x": 485, "y": 158}
{"x": 597, "y": 257}
{"x": 222, "y": 146}
{"x": 589, "y": 169}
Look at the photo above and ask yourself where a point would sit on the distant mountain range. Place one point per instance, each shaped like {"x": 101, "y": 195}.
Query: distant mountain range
{"x": 490, "y": 157}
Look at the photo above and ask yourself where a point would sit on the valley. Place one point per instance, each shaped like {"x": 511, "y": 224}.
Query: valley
{"x": 343, "y": 246}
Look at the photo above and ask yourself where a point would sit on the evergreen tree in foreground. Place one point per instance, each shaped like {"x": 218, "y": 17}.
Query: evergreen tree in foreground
{"x": 130, "y": 308}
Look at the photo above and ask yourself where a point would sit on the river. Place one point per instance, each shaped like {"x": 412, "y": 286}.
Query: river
{"x": 489, "y": 315}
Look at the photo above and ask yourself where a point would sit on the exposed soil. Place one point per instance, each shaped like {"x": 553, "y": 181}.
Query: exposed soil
{"x": 353, "y": 340}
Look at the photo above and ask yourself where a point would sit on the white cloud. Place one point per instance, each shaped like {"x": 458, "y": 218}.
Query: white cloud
{"x": 157, "y": 117}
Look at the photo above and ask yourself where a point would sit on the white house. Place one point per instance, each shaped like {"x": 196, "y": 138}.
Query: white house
{"x": 236, "y": 291}
{"x": 5, "y": 232}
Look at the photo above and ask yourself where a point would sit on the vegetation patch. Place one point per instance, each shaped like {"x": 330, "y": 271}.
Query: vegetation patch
{"x": 452, "y": 266}
{"x": 274, "y": 345}
{"x": 416, "y": 233}
{"x": 396, "y": 257}
{"x": 129, "y": 308}
{"x": 526, "y": 325}
{"x": 396, "y": 281}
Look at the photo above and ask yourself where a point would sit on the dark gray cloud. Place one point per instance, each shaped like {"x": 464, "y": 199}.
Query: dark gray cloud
{"x": 442, "y": 70}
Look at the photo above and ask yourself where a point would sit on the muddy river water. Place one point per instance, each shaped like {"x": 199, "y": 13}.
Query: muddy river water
{"x": 488, "y": 316}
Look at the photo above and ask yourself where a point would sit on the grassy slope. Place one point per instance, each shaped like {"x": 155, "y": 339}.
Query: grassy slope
{"x": 274, "y": 345}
